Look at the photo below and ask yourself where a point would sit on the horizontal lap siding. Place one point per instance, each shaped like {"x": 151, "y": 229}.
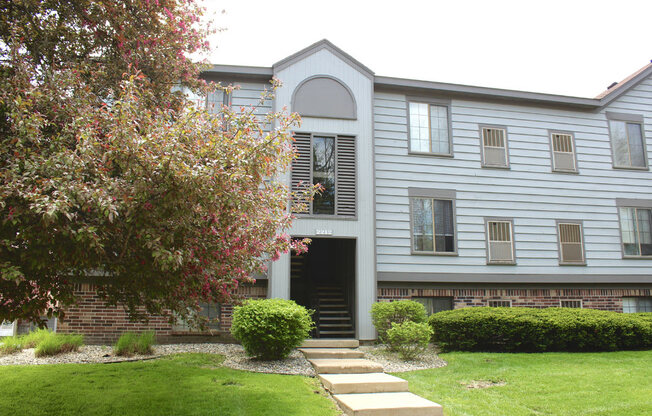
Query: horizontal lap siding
{"x": 529, "y": 192}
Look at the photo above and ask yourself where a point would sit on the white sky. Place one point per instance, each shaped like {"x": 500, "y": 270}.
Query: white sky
{"x": 571, "y": 47}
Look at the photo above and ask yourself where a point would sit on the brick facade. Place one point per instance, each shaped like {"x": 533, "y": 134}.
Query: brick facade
{"x": 103, "y": 325}
{"x": 603, "y": 299}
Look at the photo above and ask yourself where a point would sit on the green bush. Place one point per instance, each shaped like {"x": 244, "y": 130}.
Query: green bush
{"x": 54, "y": 344}
{"x": 10, "y": 345}
{"x": 270, "y": 329}
{"x": 383, "y": 314}
{"x": 131, "y": 343}
{"x": 532, "y": 330}
{"x": 409, "y": 338}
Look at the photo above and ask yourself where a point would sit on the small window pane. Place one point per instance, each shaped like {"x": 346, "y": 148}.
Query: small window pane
{"x": 324, "y": 174}
{"x": 444, "y": 227}
{"x": 439, "y": 129}
{"x": 645, "y": 230}
{"x": 636, "y": 144}
{"x": 629, "y": 231}
{"x": 422, "y": 227}
{"x": 419, "y": 128}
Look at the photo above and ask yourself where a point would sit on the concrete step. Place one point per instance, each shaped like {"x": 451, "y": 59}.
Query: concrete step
{"x": 335, "y": 318}
{"x": 337, "y": 325}
{"x": 333, "y": 305}
{"x": 330, "y": 343}
{"x": 345, "y": 366}
{"x": 362, "y": 383}
{"x": 336, "y": 332}
{"x": 387, "y": 404}
{"x": 331, "y": 353}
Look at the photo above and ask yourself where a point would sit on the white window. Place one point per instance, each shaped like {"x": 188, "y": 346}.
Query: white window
{"x": 499, "y": 303}
{"x": 571, "y": 246}
{"x": 627, "y": 141}
{"x": 570, "y": 303}
{"x": 494, "y": 147}
{"x": 500, "y": 242}
{"x": 637, "y": 304}
{"x": 7, "y": 329}
{"x": 433, "y": 226}
{"x": 429, "y": 129}
{"x": 636, "y": 229}
{"x": 563, "y": 152}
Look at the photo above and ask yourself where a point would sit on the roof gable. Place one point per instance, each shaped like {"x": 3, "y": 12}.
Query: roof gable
{"x": 318, "y": 46}
{"x": 625, "y": 85}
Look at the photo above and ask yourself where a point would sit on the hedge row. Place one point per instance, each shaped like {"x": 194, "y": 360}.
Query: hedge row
{"x": 534, "y": 330}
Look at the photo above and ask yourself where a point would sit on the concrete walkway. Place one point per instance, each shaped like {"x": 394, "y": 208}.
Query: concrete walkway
{"x": 360, "y": 386}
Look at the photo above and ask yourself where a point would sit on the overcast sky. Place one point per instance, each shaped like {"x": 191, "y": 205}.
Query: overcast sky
{"x": 571, "y": 47}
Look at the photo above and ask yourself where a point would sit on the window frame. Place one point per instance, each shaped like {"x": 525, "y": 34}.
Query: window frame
{"x": 430, "y": 102}
{"x": 499, "y": 300}
{"x": 636, "y": 298}
{"x": 448, "y": 298}
{"x": 559, "y": 248}
{"x": 552, "y": 152}
{"x": 627, "y": 118}
{"x": 481, "y": 128}
{"x": 433, "y": 194}
{"x": 487, "y": 220}
{"x": 636, "y": 204}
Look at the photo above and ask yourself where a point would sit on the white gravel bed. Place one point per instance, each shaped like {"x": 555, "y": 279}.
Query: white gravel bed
{"x": 235, "y": 357}
{"x": 392, "y": 363}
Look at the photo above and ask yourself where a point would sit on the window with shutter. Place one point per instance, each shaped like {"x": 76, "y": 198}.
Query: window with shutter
{"x": 571, "y": 245}
{"x": 563, "y": 152}
{"x": 494, "y": 147}
{"x": 500, "y": 242}
{"x": 331, "y": 162}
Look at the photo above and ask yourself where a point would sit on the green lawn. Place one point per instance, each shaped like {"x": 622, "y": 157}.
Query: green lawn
{"x": 612, "y": 383}
{"x": 186, "y": 384}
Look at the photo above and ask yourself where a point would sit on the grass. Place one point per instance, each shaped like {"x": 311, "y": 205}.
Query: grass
{"x": 131, "y": 343}
{"x": 45, "y": 342}
{"x": 184, "y": 384}
{"x": 608, "y": 383}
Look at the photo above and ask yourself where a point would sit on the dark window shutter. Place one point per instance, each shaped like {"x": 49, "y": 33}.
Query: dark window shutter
{"x": 301, "y": 175}
{"x": 345, "y": 188}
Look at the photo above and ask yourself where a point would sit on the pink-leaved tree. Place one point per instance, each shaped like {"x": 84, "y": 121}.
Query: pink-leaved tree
{"x": 109, "y": 174}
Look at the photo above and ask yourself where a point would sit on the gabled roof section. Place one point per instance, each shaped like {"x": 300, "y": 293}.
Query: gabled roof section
{"x": 318, "y": 46}
{"x": 631, "y": 81}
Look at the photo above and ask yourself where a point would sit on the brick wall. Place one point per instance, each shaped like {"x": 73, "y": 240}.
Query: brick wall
{"x": 604, "y": 299}
{"x": 103, "y": 325}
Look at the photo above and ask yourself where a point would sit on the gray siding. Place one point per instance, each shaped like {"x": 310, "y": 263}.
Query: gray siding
{"x": 529, "y": 192}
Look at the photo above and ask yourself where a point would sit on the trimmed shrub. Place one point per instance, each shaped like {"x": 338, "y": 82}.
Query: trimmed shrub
{"x": 270, "y": 329}
{"x": 10, "y": 345}
{"x": 54, "y": 344}
{"x": 535, "y": 330}
{"x": 384, "y": 314}
{"x": 131, "y": 343}
{"x": 409, "y": 338}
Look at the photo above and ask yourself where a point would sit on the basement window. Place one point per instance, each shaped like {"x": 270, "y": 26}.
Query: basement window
{"x": 499, "y": 303}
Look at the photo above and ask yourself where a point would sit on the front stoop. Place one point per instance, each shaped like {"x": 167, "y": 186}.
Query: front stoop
{"x": 345, "y": 366}
{"x": 360, "y": 386}
{"x": 387, "y": 404}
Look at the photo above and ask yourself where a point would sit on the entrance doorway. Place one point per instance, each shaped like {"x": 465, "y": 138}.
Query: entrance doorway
{"x": 323, "y": 279}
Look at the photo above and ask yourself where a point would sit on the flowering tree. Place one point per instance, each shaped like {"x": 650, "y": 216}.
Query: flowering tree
{"x": 109, "y": 174}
